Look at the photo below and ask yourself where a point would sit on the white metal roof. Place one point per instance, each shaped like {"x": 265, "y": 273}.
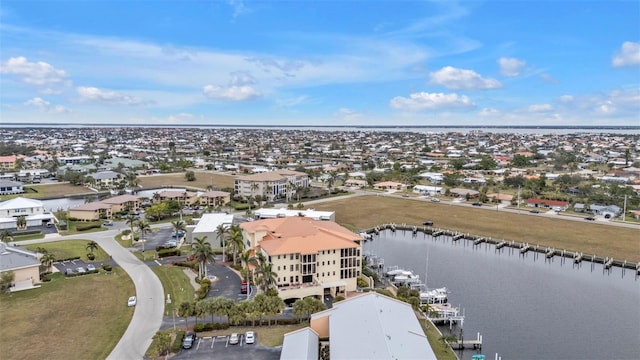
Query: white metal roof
{"x": 300, "y": 344}
{"x": 20, "y": 203}
{"x": 209, "y": 222}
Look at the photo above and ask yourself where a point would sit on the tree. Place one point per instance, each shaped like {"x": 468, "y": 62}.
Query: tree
{"x": 162, "y": 340}
{"x": 178, "y": 225}
{"x": 132, "y": 180}
{"x": 521, "y": 161}
{"x": 190, "y": 176}
{"x": 131, "y": 221}
{"x": 269, "y": 306}
{"x": 21, "y": 222}
{"x": 236, "y": 241}
{"x": 6, "y": 236}
{"x": 266, "y": 277}
{"x": 6, "y": 280}
{"x": 221, "y": 234}
{"x": 91, "y": 246}
{"x": 307, "y": 306}
{"x": 246, "y": 260}
{"x": 47, "y": 260}
{"x": 201, "y": 250}
{"x": 185, "y": 310}
{"x": 144, "y": 228}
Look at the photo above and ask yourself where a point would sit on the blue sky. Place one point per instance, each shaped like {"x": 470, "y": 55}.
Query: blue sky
{"x": 321, "y": 62}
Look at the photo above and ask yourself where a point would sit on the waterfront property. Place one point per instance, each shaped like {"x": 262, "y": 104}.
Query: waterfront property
{"x": 32, "y": 210}
{"x": 310, "y": 257}
{"x": 367, "y": 326}
{"x": 279, "y": 184}
{"x": 272, "y": 213}
{"x": 105, "y": 209}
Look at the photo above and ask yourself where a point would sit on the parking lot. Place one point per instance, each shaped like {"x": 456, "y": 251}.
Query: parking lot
{"x": 158, "y": 238}
{"x": 73, "y": 265}
{"x": 218, "y": 347}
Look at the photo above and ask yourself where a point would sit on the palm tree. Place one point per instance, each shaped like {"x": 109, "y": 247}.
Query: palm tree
{"x": 266, "y": 278}
{"x": 254, "y": 186}
{"x": 47, "y": 260}
{"x": 144, "y": 228}
{"x": 185, "y": 310}
{"x": 6, "y": 236}
{"x": 156, "y": 197}
{"x": 21, "y": 222}
{"x": 91, "y": 246}
{"x": 178, "y": 225}
{"x": 222, "y": 233}
{"x": 131, "y": 220}
{"x": 236, "y": 242}
{"x": 246, "y": 259}
{"x": 201, "y": 250}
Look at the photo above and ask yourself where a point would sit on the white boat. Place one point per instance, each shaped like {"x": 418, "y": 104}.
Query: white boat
{"x": 396, "y": 271}
{"x": 434, "y": 296}
{"x": 406, "y": 278}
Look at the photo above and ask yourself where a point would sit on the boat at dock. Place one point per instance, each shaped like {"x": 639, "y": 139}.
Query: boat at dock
{"x": 434, "y": 296}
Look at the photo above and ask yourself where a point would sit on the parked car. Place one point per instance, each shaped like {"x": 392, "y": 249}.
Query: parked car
{"x": 477, "y": 204}
{"x": 590, "y": 218}
{"x": 170, "y": 244}
{"x": 68, "y": 271}
{"x": 428, "y": 223}
{"x": 243, "y": 287}
{"x": 80, "y": 270}
{"x": 534, "y": 211}
{"x": 234, "y": 339}
{"x": 132, "y": 301}
{"x": 189, "y": 339}
{"x": 435, "y": 200}
{"x": 249, "y": 337}
{"x": 108, "y": 223}
{"x": 91, "y": 267}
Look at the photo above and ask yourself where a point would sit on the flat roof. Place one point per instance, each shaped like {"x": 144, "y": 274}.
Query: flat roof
{"x": 209, "y": 222}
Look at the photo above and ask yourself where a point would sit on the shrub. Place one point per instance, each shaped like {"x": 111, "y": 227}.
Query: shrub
{"x": 84, "y": 227}
{"x": 126, "y": 232}
{"x": 107, "y": 267}
{"x": 189, "y": 264}
{"x": 168, "y": 252}
{"x": 90, "y": 256}
{"x": 338, "y": 298}
{"x": 362, "y": 283}
{"x": 210, "y": 326}
{"x": 25, "y": 232}
{"x": 177, "y": 343}
{"x": 288, "y": 321}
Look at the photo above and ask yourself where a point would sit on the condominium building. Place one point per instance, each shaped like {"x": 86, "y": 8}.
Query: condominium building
{"x": 310, "y": 257}
{"x": 279, "y": 184}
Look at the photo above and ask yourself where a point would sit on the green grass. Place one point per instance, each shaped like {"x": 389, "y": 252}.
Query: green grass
{"x": 175, "y": 283}
{"x": 588, "y": 237}
{"x": 77, "y": 318}
{"x": 440, "y": 349}
{"x": 69, "y": 249}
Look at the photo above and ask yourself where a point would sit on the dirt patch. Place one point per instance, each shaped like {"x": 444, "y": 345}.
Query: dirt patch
{"x": 202, "y": 181}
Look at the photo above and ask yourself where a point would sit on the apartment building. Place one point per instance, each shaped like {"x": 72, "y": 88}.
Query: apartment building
{"x": 279, "y": 184}
{"x": 310, "y": 257}
{"x": 106, "y": 208}
{"x": 8, "y": 162}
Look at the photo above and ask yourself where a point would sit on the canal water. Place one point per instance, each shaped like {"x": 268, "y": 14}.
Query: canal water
{"x": 525, "y": 307}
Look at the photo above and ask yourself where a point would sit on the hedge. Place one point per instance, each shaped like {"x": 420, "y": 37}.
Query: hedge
{"x": 177, "y": 343}
{"x": 168, "y": 252}
{"x": 85, "y": 273}
{"x": 25, "y": 232}
{"x": 210, "y": 326}
{"x": 83, "y": 227}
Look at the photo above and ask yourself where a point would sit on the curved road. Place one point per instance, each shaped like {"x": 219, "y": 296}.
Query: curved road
{"x": 148, "y": 314}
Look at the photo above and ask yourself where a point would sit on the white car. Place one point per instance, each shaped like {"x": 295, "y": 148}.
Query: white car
{"x": 234, "y": 339}
{"x": 249, "y": 337}
{"x": 132, "y": 301}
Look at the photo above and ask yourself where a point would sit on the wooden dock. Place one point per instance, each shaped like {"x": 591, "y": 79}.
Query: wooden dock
{"x": 462, "y": 344}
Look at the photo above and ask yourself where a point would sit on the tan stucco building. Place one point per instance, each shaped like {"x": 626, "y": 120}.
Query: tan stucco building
{"x": 310, "y": 257}
{"x": 106, "y": 208}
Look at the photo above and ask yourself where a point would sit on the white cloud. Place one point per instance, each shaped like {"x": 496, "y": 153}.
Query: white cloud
{"x": 432, "y": 101}
{"x": 511, "y": 66}
{"x": 45, "y": 106}
{"x": 50, "y": 91}
{"x": 231, "y": 93}
{"x": 566, "y": 98}
{"x": 540, "y": 108}
{"x": 239, "y": 78}
{"x": 238, "y": 6}
{"x": 349, "y": 115}
{"x": 108, "y": 96}
{"x": 489, "y": 112}
{"x": 34, "y": 73}
{"x": 292, "y": 101}
{"x": 628, "y": 55}
{"x": 462, "y": 79}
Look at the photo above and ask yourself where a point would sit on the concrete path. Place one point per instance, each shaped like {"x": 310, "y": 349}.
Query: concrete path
{"x": 148, "y": 314}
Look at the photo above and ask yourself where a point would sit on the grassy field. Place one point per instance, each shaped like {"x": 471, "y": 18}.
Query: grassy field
{"x": 77, "y": 318}
{"x": 203, "y": 179}
{"x": 176, "y": 283}
{"x": 588, "y": 237}
{"x": 268, "y": 336}
{"x": 50, "y": 190}
{"x": 442, "y": 350}
{"x": 70, "y": 248}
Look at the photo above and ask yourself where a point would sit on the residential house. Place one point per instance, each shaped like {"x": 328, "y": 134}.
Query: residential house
{"x": 31, "y": 209}
{"x": 106, "y": 179}
{"x": 367, "y": 326}
{"x": 607, "y": 211}
{"x": 465, "y": 193}
{"x": 8, "y": 187}
{"x": 430, "y": 190}
{"x": 8, "y": 162}
{"x": 23, "y": 263}
{"x": 557, "y": 205}
{"x": 389, "y": 185}
{"x": 279, "y": 184}
{"x": 310, "y": 257}
{"x": 272, "y": 213}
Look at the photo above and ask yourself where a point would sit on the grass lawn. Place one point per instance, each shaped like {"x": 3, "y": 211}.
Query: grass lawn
{"x": 69, "y": 249}
{"x": 50, "y": 190}
{"x": 203, "y": 179}
{"x": 590, "y": 238}
{"x": 442, "y": 350}
{"x": 266, "y": 335}
{"x": 176, "y": 283}
{"x": 78, "y": 318}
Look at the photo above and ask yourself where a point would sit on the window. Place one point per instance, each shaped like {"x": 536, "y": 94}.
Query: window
{"x": 290, "y": 267}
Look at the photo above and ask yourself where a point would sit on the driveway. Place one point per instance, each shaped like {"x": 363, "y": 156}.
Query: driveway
{"x": 218, "y": 347}
{"x": 147, "y": 316}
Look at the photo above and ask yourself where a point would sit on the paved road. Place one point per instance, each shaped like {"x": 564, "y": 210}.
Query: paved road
{"x": 148, "y": 314}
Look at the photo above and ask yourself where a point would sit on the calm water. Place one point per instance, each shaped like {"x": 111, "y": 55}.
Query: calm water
{"x": 526, "y": 307}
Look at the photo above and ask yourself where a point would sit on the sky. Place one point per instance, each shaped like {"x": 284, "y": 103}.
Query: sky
{"x": 340, "y": 63}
